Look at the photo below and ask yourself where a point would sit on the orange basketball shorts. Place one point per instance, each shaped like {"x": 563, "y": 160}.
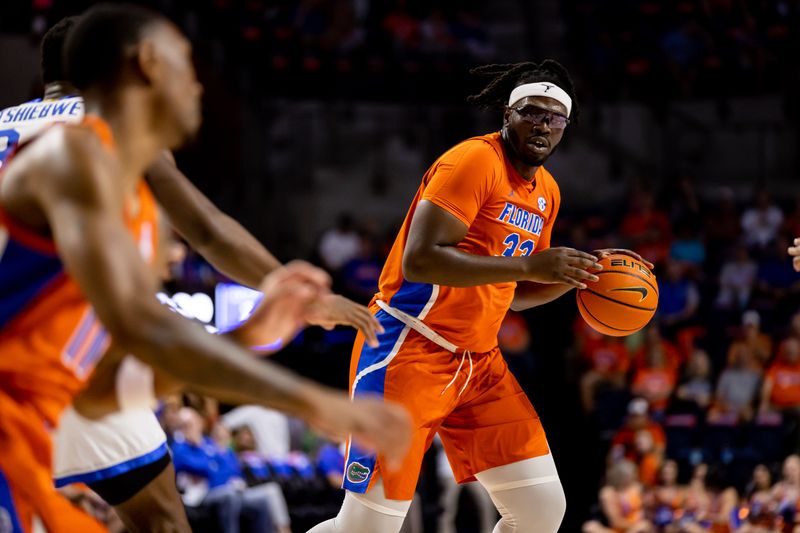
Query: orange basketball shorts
{"x": 26, "y": 482}
{"x": 472, "y": 401}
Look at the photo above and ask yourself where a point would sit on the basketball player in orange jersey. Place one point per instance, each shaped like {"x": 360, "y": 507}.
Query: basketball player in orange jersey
{"x": 475, "y": 242}
{"x": 77, "y": 221}
{"x": 123, "y": 456}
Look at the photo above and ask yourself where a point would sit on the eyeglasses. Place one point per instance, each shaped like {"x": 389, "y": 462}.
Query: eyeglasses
{"x": 537, "y": 115}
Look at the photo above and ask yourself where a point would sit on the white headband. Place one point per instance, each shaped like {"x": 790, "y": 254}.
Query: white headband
{"x": 541, "y": 88}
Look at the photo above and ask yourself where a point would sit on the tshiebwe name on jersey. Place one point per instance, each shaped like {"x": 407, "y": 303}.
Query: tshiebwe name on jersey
{"x": 72, "y": 107}
{"x": 522, "y": 219}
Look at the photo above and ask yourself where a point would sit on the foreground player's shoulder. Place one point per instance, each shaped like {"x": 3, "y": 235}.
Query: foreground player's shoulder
{"x": 65, "y": 160}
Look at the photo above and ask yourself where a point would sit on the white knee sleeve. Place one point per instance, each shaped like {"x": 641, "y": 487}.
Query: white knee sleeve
{"x": 528, "y": 495}
{"x": 367, "y": 513}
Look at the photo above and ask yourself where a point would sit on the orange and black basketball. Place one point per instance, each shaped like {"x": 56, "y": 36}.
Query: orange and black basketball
{"x": 623, "y": 300}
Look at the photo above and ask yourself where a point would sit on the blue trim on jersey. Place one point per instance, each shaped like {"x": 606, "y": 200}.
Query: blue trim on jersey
{"x": 371, "y": 384}
{"x": 7, "y": 506}
{"x": 115, "y": 470}
{"x": 23, "y": 274}
{"x": 412, "y": 297}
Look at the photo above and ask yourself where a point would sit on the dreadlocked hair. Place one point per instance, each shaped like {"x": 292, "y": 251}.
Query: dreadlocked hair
{"x": 506, "y": 77}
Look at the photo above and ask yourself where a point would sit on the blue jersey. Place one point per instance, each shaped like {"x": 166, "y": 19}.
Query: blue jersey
{"x": 21, "y": 123}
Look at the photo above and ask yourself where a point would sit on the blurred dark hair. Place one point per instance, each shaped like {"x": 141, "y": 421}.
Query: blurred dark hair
{"x": 52, "y": 50}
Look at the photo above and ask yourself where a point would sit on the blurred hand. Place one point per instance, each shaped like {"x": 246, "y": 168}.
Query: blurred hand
{"x": 374, "y": 424}
{"x": 288, "y": 291}
{"x": 605, "y": 252}
{"x": 332, "y": 310}
{"x": 794, "y": 251}
{"x": 562, "y": 265}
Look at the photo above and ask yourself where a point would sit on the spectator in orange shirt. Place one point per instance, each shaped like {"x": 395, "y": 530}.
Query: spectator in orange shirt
{"x": 655, "y": 381}
{"x": 647, "y": 228}
{"x": 781, "y": 390}
{"x": 754, "y": 343}
{"x": 608, "y": 361}
{"x": 653, "y": 341}
{"x": 641, "y": 440}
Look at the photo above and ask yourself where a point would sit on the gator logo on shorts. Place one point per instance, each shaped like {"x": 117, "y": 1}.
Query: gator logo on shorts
{"x": 357, "y": 473}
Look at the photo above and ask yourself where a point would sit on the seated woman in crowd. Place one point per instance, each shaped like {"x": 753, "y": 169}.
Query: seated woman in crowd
{"x": 622, "y": 503}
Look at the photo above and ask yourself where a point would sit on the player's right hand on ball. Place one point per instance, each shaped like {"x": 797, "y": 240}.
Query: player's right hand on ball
{"x": 561, "y": 265}
{"x": 373, "y": 423}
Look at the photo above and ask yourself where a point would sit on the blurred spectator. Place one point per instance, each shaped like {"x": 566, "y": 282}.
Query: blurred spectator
{"x": 209, "y": 477}
{"x": 655, "y": 380}
{"x": 679, "y": 298}
{"x": 694, "y": 394}
{"x": 646, "y": 228}
{"x": 339, "y": 244}
{"x": 330, "y": 462}
{"x": 514, "y": 340}
{"x": 786, "y": 492}
{"x": 716, "y": 501}
{"x": 269, "y": 428}
{"x": 736, "y": 390}
{"x": 688, "y": 246}
{"x": 665, "y": 501}
{"x": 641, "y": 440}
{"x": 781, "y": 389}
{"x": 736, "y": 280}
{"x": 654, "y": 342}
{"x": 778, "y": 283}
{"x": 760, "y": 223}
{"x": 608, "y": 362}
{"x": 258, "y": 476}
{"x": 621, "y": 501}
{"x": 754, "y": 344}
{"x": 760, "y": 510}
{"x": 451, "y": 496}
{"x": 360, "y": 274}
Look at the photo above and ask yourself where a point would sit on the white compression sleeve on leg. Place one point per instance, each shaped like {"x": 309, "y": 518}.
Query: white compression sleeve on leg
{"x": 528, "y": 495}
{"x": 366, "y": 513}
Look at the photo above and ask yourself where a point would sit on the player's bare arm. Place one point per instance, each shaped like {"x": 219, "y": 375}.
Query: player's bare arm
{"x": 71, "y": 181}
{"x": 431, "y": 256}
{"x": 213, "y": 234}
{"x": 235, "y": 252}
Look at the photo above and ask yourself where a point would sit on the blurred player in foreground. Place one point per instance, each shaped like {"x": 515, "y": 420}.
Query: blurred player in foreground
{"x": 475, "y": 242}
{"x": 794, "y": 251}
{"x": 123, "y": 457}
{"x": 77, "y": 221}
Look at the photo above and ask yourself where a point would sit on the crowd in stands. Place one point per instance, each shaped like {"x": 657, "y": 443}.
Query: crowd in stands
{"x": 699, "y": 409}
{"x": 281, "y": 45}
{"x": 651, "y": 49}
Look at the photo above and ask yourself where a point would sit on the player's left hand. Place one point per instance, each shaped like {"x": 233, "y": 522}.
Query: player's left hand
{"x": 333, "y": 310}
{"x": 605, "y": 252}
{"x": 794, "y": 251}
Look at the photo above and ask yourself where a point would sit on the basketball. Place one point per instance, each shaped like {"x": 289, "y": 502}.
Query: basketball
{"x": 623, "y": 300}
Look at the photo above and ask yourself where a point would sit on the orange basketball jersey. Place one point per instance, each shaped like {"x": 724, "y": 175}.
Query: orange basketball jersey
{"x": 50, "y": 339}
{"x": 506, "y": 215}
